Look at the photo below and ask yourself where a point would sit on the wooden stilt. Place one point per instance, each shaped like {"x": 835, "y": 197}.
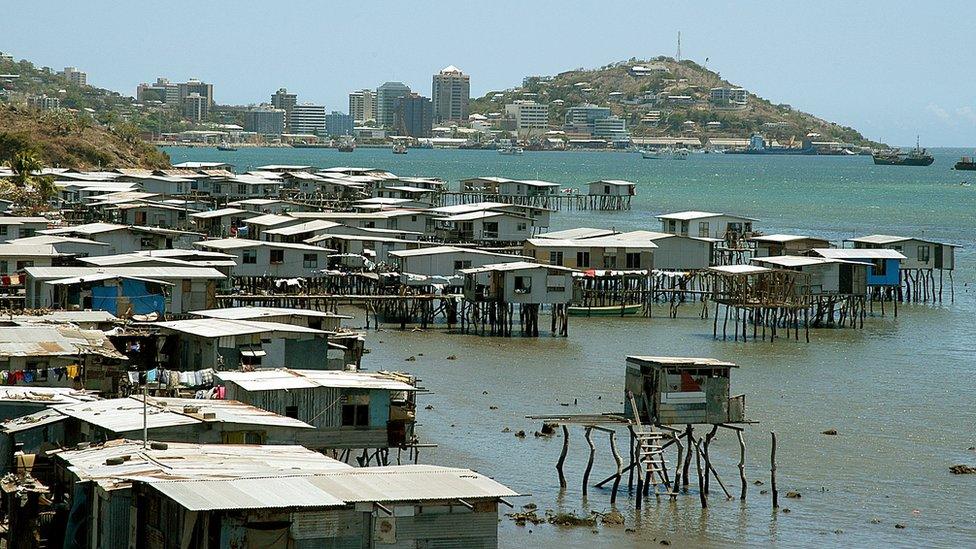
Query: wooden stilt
{"x": 620, "y": 462}
{"x": 562, "y": 458}
{"x": 701, "y": 480}
{"x": 772, "y": 471}
{"x": 742, "y": 464}
{"x": 587, "y": 434}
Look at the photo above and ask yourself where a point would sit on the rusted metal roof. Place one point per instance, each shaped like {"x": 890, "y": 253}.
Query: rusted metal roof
{"x": 286, "y": 378}
{"x": 55, "y": 340}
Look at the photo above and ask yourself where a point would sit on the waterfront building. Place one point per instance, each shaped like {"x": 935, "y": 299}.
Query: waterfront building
{"x": 529, "y": 116}
{"x": 266, "y": 121}
{"x": 582, "y": 118}
{"x": 338, "y": 123}
{"x": 413, "y": 115}
{"x": 275, "y": 259}
{"x": 772, "y": 245}
{"x": 484, "y": 227}
{"x": 362, "y": 106}
{"x": 445, "y": 261}
{"x": 885, "y": 263}
{"x": 75, "y": 76}
{"x": 679, "y": 391}
{"x": 706, "y": 224}
{"x": 919, "y": 253}
{"x": 450, "y": 94}
{"x": 386, "y": 96}
{"x": 825, "y": 276}
{"x": 307, "y": 119}
{"x": 285, "y": 101}
{"x": 611, "y": 127}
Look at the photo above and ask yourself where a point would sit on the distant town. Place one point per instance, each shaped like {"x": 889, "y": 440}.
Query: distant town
{"x": 658, "y": 104}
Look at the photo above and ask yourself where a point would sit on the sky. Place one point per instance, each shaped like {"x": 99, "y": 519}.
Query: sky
{"x": 890, "y": 69}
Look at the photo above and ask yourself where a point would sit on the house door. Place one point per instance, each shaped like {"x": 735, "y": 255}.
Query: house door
{"x": 846, "y": 281}
{"x": 938, "y": 257}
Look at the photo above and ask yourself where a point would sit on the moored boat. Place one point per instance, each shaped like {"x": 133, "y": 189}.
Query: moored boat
{"x": 915, "y": 157}
{"x": 511, "y": 151}
{"x": 967, "y": 163}
{"x": 611, "y": 310}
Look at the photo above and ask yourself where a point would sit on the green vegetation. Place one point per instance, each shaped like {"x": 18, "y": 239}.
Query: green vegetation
{"x": 29, "y": 191}
{"x": 69, "y": 140}
{"x": 637, "y": 97}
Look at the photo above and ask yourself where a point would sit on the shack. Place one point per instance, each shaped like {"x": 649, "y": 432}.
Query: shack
{"x": 681, "y": 390}
{"x": 350, "y": 410}
{"x": 120, "y": 295}
{"x": 200, "y": 343}
{"x": 611, "y": 187}
{"x": 494, "y": 291}
{"x": 919, "y": 253}
{"x": 222, "y": 222}
{"x": 707, "y": 224}
{"x": 273, "y": 259}
{"x": 772, "y": 245}
{"x": 52, "y": 355}
{"x": 826, "y": 276}
{"x": 884, "y": 264}
{"x": 444, "y": 260}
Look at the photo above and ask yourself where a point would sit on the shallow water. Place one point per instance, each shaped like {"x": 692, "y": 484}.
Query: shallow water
{"x": 899, "y": 392}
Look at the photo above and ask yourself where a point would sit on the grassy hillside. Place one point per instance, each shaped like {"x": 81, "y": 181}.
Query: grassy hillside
{"x": 636, "y": 98}
{"x": 70, "y": 140}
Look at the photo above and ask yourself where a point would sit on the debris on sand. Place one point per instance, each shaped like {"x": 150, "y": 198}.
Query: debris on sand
{"x": 613, "y": 518}
{"x": 831, "y": 432}
{"x": 506, "y": 430}
{"x": 493, "y": 407}
{"x": 570, "y": 519}
{"x": 411, "y": 358}
{"x": 900, "y": 526}
{"x": 429, "y": 407}
{"x": 521, "y": 519}
{"x": 548, "y": 429}
{"x": 962, "y": 470}
{"x": 452, "y": 357}
{"x": 519, "y": 434}
{"x": 758, "y": 482}
{"x": 793, "y": 494}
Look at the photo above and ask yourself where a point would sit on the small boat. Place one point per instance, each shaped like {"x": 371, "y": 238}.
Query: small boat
{"x": 347, "y": 145}
{"x": 654, "y": 154}
{"x": 511, "y": 151}
{"x": 612, "y": 310}
{"x": 680, "y": 154}
{"x": 225, "y": 147}
{"x": 399, "y": 148}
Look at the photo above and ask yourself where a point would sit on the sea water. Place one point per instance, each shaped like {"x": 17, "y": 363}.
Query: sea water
{"x": 899, "y": 392}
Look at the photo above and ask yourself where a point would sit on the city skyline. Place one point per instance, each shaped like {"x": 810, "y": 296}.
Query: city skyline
{"x": 891, "y": 78}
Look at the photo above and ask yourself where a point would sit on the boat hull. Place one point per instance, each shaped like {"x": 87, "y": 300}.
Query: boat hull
{"x": 613, "y": 310}
{"x": 894, "y": 161}
{"x": 965, "y": 166}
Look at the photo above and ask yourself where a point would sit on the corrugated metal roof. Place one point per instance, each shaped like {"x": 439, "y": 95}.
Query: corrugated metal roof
{"x": 739, "y": 269}
{"x": 182, "y": 461}
{"x": 859, "y": 253}
{"x": 235, "y": 243}
{"x": 515, "y": 266}
{"x": 120, "y": 415}
{"x": 28, "y": 250}
{"x": 165, "y": 273}
{"x": 219, "y": 213}
{"x": 222, "y": 327}
{"x": 438, "y": 250}
{"x": 784, "y": 238}
{"x": 54, "y": 340}
{"x": 32, "y": 421}
{"x": 579, "y": 232}
{"x": 248, "y": 313}
{"x": 398, "y": 483}
{"x": 44, "y": 395}
{"x": 682, "y": 360}
{"x": 286, "y": 378}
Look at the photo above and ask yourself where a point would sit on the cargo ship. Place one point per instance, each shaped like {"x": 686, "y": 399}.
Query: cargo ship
{"x": 967, "y": 163}
{"x": 915, "y": 157}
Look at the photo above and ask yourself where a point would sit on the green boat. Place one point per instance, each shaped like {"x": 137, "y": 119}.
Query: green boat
{"x": 612, "y": 310}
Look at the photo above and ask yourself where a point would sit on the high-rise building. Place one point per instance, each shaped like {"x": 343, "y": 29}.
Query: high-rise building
{"x": 163, "y": 91}
{"x": 285, "y": 101}
{"x": 45, "y": 103}
{"x": 265, "y": 120}
{"x": 196, "y": 107}
{"x": 581, "y": 118}
{"x": 386, "y": 96}
{"x": 450, "y": 95}
{"x": 362, "y": 106}
{"x": 413, "y": 115}
{"x": 192, "y": 86}
{"x": 612, "y": 127}
{"x": 307, "y": 119}
{"x": 75, "y": 76}
{"x": 528, "y": 115}
{"x": 338, "y": 123}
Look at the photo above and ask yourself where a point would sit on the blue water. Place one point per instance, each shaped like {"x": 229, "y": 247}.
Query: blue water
{"x": 899, "y": 392}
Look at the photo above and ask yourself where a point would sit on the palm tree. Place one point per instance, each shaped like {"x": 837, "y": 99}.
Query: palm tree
{"x": 25, "y": 164}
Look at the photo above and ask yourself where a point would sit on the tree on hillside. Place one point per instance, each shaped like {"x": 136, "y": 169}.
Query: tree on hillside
{"x": 24, "y": 165}
{"x": 29, "y": 191}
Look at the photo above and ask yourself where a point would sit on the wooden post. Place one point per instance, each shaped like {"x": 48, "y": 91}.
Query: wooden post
{"x": 588, "y": 432}
{"x": 620, "y": 464}
{"x": 562, "y": 458}
{"x": 701, "y": 481}
{"x": 687, "y": 464}
{"x": 772, "y": 471}
{"x": 630, "y": 476}
{"x": 708, "y": 440}
{"x": 742, "y": 464}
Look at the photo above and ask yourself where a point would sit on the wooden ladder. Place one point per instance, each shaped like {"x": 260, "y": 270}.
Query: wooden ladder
{"x": 650, "y": 452}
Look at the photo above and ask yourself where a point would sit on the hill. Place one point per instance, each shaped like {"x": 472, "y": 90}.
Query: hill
{"x": 669, "y": 98}
{"x": 65, "y": 139}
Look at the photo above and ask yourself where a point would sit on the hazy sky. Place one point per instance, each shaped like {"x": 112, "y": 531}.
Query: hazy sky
{"x": 890, "y": 69}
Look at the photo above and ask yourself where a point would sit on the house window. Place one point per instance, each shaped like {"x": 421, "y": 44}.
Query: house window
{"x": 633, "y": 260}
{"x": 3, "y": 267}
{"x": 703, "y": 228}
{"x": 684, "y": 228}
{"x": 523, "y": 284}
{"x": 490, "y": 229}
{"x": 242, "y": 189}
{"x": 291, "y": 411}
{"x": 609, "y": 262}
{"x": 521, "y": 227}
{"x": 606, "y": 189}
{"x": 277, "y": 257}
{"x": 250, "y": 257}
{"x": 251, "y": 437}
{"x": 216, "y": 188}
{"x": 556, "y": 258}
{"x": 672, "y": 226}
{"x": 3, "y": 230}
{"x": 310, "y": 261}
{"x": 26, "y": 232}
{"x": 462, "y": 264}
{"x": 582, "y": 259}
{"x": 879, "y": 267}
{"x": 355, "y": 415}
{"x": 923, "y": 254}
